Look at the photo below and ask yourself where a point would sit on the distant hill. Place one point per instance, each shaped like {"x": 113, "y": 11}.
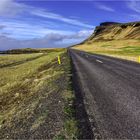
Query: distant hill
{"x": 115, "y": 31}
{"x": 114, "y": 39}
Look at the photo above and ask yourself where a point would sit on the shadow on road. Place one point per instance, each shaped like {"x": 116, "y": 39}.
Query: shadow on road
{"x": 80, "y": 111}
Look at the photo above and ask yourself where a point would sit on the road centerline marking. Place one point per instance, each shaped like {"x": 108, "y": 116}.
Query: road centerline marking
{"x": 99, "y": 61}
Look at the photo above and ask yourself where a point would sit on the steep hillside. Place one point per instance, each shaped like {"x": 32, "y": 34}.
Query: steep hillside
{"x": 115, "y": 39}
{"x": 112, "y": 30}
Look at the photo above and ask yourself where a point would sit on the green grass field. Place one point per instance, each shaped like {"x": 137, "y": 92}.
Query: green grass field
{"x": 30, "y": 86}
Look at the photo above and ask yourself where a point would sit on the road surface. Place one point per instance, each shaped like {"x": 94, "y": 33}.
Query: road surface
{"x": 111, "y": 90}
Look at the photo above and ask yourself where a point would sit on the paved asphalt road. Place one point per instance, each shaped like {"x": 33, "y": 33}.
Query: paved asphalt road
{"x": 111, "y": 92}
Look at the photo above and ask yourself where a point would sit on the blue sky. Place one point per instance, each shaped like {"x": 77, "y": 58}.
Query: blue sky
{"x": 49, "y": 23}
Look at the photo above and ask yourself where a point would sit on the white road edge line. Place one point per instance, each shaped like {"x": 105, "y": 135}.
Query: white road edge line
{"x": 99, "y": 61}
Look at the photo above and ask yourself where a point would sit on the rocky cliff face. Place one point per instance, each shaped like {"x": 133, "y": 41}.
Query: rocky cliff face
{"x": 115, "y": 31}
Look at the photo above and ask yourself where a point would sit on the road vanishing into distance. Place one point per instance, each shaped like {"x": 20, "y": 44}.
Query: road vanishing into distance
{"x": 111, "y": 94}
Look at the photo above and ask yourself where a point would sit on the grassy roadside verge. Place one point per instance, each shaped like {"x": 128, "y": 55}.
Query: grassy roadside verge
{"x": 36, "y": 99}
{"x": 125, "y": 49}
{"x": 70, "y": 129}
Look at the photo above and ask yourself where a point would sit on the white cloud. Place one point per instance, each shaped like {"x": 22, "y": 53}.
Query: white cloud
{"x": 2, "y": 26}
{"x": 10, "y": 8}
{"x": 23, "y": 34}
{"x": 50, "y": 40}
{"x": 134, "y": 5}
{"x": 60, "y": 37}
{"x": 84, "y": 33}
{"x": 106, "y": 8}
{"x": 21, "y": 30}
{"x": 58, "y": 17}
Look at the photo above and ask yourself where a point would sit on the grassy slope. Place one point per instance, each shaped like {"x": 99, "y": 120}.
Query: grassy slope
{"x": 32, "y": 93}
{"x": 126, "y": 49}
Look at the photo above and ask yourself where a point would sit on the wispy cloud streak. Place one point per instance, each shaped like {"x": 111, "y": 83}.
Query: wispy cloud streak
{"x": 18, "y": 31}
{"x": 134, "y": 5}
{"x": 104, "y": 7}
{"x": 21, "y": 30}
{"x": 12, "y": 8}
{"x": 58, "y": 17}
